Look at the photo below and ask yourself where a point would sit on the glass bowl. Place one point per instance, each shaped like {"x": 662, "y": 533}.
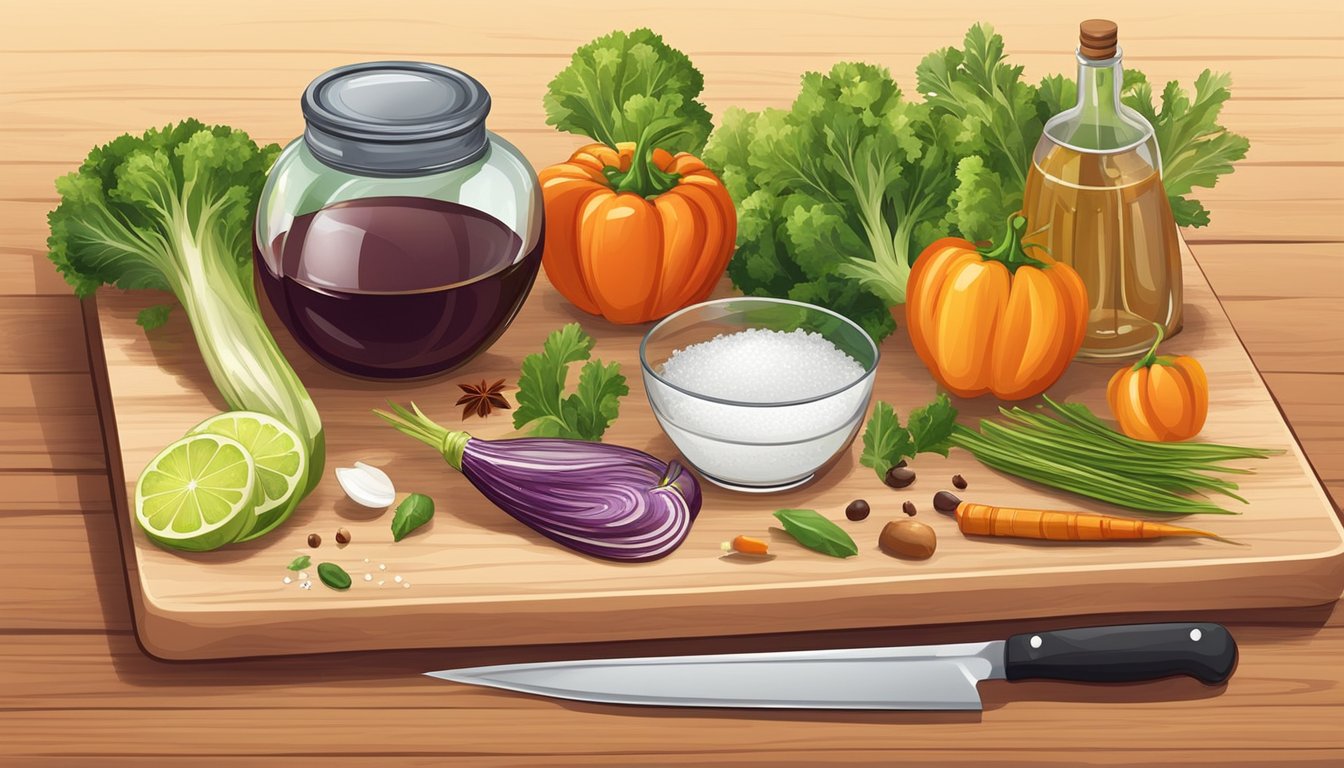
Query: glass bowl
{"x": 757, "y": 443}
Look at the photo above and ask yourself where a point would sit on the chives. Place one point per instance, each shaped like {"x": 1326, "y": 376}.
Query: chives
{"x": 1075, "y": 451}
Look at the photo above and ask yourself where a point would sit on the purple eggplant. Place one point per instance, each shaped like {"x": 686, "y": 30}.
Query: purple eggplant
{"x": 603, "y": 500}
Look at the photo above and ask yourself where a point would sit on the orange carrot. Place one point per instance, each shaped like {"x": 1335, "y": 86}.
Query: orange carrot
{"x": 746, "y": 545}
{"x": 1049, "y": 525}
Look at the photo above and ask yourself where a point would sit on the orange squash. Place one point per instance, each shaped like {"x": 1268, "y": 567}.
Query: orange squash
{"x": 1160, "y": 398}
{"x": 994, "y": 319}
{"x": 628, "y": 257}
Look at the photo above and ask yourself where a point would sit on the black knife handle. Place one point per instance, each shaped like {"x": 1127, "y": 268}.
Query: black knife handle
{"x": 1117, "y": 654}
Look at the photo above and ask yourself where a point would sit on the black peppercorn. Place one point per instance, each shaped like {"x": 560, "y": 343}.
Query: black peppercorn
{"x": 857, "y": 510}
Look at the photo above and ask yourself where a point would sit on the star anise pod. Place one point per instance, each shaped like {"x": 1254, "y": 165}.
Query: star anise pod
{"x": 481, "y": 399}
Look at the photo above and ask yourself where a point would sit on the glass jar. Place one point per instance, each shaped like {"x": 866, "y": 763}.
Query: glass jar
{"x": 397, "y": 238}
{"x": 1095, "y": 197}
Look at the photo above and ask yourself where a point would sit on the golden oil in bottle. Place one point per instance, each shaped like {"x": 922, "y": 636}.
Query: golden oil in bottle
{"x": 1095, "y": 198}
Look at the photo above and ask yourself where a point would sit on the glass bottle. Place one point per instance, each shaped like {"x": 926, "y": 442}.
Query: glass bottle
{"x": 1095, "y": 198}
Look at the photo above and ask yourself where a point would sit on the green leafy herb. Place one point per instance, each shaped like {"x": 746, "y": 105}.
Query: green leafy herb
{"x": 299, "y": 563}
{"x": 837, "y": 194}
{"x": 153, "y": 317}
{"x": 1069, "y": 448}
{"x": 411, "y": 513}
{"x": 974, "y": 92}
{"x": 849, "y": 182}
{"x": 1196, "y": 150}
{"x": 1002, "y": 117}
{"x": 816, "y": 532}
{"x": 583, "y": 415}
{"x": 931, "y": 426}
{"x": 886, "y": 442}
{"x": 632, "y": 86}
{"x": 333, "y": 576}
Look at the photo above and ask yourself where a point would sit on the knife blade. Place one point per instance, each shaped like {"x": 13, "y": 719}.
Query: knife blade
{"x": 926, "y": 677}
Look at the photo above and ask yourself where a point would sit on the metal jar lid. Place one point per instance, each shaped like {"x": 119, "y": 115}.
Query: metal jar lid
{"x": 396, "y": 118}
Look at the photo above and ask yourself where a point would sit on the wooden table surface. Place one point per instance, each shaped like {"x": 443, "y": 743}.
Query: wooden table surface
{"x": 74, "y": 687}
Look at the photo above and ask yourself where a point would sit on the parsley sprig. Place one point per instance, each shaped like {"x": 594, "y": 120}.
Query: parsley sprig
{"x": 585, "y": 414}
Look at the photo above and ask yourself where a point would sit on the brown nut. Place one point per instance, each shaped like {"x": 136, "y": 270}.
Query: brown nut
{"x": 314, "y": 540}
{"x": 908, "y": 538}
{"x": 342, "y": 536}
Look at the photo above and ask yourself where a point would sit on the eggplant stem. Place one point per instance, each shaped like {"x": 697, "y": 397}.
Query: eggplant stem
{"x": 451, "y": 443}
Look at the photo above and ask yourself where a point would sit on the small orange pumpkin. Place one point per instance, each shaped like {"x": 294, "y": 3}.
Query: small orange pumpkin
{"x": 1160, "y": 398}
{"x": 994, "y": 319}
{"x": 626, "y": 256}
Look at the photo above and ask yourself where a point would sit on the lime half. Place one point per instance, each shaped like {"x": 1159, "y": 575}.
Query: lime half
{"x": 280, "y": 459}
{"x": 197, "y": 494}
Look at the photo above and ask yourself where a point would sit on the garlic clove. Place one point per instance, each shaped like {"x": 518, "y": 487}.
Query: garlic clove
{"x": 367, "y": 486}
{"x": 375, "y": 473}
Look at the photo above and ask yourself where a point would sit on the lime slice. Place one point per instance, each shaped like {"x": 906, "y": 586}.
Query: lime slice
{"x": 280, "y": 459}
{"x": 197, "y": 494}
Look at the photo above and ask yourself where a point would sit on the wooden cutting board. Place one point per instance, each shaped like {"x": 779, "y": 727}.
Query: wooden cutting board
{"x": 475, "y": 577}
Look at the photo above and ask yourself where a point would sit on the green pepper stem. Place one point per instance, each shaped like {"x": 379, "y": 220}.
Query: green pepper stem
{"x": 1010, "y": 251}
{"x": 1151, "y": 357}
{"x": 644, "y": 177}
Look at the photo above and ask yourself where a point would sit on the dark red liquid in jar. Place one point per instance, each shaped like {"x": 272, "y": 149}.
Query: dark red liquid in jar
{"x": 397, "y": 287}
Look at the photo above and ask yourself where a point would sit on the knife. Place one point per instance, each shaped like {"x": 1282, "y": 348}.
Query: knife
{"x": 926, "y": 677}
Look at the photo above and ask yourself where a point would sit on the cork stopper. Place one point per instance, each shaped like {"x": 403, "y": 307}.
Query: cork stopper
{"x": 1097, "y": 38}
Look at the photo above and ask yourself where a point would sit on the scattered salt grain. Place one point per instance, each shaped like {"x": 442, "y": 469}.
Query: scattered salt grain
{"x": 287, "y": 580}
{"x": 381, "y": 582}
{"x": 303, "y": 576}
{"x": 407, "y": 585}
{"x": 397, "y": 579}
{"x": 306, "y": 585}
{"x": 382, "y": 566}
{"x": 368, "y": 577}
{"x": 759, "y": 365}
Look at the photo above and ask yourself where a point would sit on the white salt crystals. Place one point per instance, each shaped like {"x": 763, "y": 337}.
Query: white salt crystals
{"x": 759, "y": 365}
{"x": 768, "y": 407}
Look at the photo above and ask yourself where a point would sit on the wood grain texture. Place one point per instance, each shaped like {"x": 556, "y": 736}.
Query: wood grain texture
{"x": 1264, "y": 674}
{"x": 1312, "y": 404}
{"x": 64, "y": 574}
{"x": 569, "y": 731}
{"x": 64, "y": 68}
{"x": 478, "y": 577}
{"x": 779, "y": 757}
{"x": 51, "y": 493}
{"x": 51, "y": 420}
{"x": 49, "y": 317}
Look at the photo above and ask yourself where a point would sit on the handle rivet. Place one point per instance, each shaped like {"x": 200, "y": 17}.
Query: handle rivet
{"x": 1195, "y": 634}
{"x": 1036, "y": 640}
